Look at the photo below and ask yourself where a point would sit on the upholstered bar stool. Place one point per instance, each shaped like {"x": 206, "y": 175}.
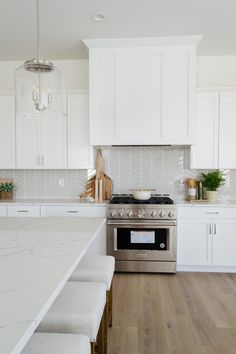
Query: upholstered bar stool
{"x": 55, "y": 343}
{"x": 79, "y": 308}
{"x": 97, "y": 269}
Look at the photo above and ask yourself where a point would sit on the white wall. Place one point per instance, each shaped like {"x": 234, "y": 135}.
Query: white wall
{"x": 216, "y": 71}
{"x": 75, "y": 73}
{"x": 211, "y": 72}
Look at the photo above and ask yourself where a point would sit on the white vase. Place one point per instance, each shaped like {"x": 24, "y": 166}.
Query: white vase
{"x": 212, "y": 195}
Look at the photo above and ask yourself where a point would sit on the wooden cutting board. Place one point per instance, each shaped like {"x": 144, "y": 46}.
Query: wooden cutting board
{"x": 107, "y": 187}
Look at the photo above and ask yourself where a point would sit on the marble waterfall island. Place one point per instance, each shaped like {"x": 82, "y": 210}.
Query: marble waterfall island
{"x": 37, "y": 257}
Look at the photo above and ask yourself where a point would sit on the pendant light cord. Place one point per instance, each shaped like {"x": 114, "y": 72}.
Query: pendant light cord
{"x": 38, "y": 29}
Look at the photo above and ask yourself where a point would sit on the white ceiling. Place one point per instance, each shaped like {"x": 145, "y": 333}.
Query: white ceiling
{"x": 65, "y": 22}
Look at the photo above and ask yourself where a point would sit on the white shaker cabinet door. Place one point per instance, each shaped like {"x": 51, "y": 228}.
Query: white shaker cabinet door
{"x": 139, "y": 106}
{"x": 79, "y": 151}
{"x": 179, "y": 89}
{"x": 224, "y": 243}
{"x": 54, "y": 143}
{"x": 194, "y": 242}
{"x": 102, "y": 98}
{"x": 7, "y": 132}
{"x": 204, "y": 152}
{"x": 28, "y": 138}
{"x": 227, "y": 140}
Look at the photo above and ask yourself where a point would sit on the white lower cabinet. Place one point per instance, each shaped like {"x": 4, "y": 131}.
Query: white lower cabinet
{"x": 194, "y": 242}
{"x": 23, "y": 210}
{"x": 224, "y": 243}
{"x": 3, "y": 210}
{"x": 76, "y": 211}
{"x": 208, "y": 241}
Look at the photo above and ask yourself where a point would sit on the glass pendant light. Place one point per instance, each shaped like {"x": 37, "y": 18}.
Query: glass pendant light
{"x": 39, "y": 86}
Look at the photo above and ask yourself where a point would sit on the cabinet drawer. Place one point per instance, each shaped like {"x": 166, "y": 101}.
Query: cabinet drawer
{"x": 207, "y": 212}
{"x": 23, "y": 210}
{"x": 3, "y": 210}
{"x": 76, "y": 211}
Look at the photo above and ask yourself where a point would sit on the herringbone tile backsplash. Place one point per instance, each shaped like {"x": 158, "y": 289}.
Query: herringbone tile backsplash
{"x": 161, "y": 168}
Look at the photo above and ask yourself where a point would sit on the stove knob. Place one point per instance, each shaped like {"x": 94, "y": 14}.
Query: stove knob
{"x": 121, "y": 213}
{"x": 162, "y": 214}
{"x": 171, "y": 214}
{"x": 141, "y": 214}
{"x": 129, "y": 214}
{"x": 113, "y": 213}
{"x": 153, "y": 213}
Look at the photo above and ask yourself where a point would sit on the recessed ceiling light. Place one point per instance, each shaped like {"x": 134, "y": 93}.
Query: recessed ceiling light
{"x": 98, "y": 17}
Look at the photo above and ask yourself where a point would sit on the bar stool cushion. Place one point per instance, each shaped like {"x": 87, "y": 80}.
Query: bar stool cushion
{"x": 95, "y": 269}
{"x": 78, "y": 309}
{"x": 55, "y": 343}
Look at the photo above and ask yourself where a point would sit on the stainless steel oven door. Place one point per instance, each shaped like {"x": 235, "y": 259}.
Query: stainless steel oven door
{"x": 141, "y": 240}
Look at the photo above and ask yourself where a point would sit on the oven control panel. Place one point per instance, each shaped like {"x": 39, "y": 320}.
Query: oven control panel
{"x": 166, "y": 213}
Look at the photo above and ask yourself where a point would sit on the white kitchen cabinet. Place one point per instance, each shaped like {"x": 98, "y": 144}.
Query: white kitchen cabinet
{"x": 23, "y": 210}
{"x": 206, "y": 237}
{"x": 194, "y": 242}
{"x": 7, "y": 132}
{"x": 3, "y": 210}
{"x": 215, "y": 125}
{"x": 41, "y": 143}
{"x": 97, "y": 211}
{"x": 204, "y": 152}
{"x": 227, "y": 142}
{"x": 224, "y": 243}
{"x": 141, "y": 95}
{"x": 80, "y": 154}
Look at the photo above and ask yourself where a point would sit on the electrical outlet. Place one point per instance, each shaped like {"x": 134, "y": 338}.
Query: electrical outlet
{"x": 61, "y": 182}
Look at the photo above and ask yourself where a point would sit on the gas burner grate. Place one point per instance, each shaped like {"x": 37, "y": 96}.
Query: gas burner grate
{"x": 128, "y": 199}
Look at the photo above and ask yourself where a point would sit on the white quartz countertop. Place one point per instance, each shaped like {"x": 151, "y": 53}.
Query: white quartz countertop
{"x": 37, "y": 257}
{"x": 50, "y": 202}
{"x": 223, "y": 203}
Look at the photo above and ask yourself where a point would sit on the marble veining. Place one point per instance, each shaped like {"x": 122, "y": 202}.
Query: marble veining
{"x": 37, "y": 256}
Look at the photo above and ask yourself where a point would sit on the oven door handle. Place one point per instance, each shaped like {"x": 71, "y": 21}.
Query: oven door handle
{"x": 143, "y": 223}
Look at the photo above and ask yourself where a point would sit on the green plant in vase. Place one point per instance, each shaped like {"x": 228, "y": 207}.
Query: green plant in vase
{"x": 212, "y": 181}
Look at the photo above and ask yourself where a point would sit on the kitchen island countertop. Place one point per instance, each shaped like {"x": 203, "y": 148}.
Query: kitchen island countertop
{"x": 37, "y": 257}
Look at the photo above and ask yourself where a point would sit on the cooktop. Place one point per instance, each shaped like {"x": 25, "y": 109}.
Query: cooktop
{"x": 128, "y": 199}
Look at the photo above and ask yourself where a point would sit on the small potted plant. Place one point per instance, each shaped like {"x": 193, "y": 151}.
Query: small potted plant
{"x": 211, "y": 182}
{"x": 6, "y": 190}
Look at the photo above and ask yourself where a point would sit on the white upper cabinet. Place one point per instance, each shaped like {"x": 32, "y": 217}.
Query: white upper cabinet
{"x": 80, "y": 154}
{"x": 7, "y": 132}
{"x": 28, "y": 134}
{"x": 227, "y": 141}
{"x": 41, "y": 143}
{"x": 139, "y": 97}
{"x": 215, "y": 126}
{"x": 204, "y": 152}
{"x": 142, "y": 91}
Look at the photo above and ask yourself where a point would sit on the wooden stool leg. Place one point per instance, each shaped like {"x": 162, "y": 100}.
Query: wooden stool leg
{"x": 110, "y": 300}
{"x": 92, "y": 344}
{"x": 105, "y": 326}
{"x": 100, "y": 345}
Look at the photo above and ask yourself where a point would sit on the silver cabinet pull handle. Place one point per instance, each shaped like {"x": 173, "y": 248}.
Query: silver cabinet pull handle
{"x": 209, "y": 229}
{"x": 214, "y": 229}
{"x": 72, "y": 211}
{"x": 42, "y": 160}
{"x": 212, "y": 212}
{"x": 22, "y": 211}
{"x": 38, "y": 160}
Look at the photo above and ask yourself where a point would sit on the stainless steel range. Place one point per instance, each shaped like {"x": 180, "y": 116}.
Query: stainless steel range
{"x": 141, "y": 235}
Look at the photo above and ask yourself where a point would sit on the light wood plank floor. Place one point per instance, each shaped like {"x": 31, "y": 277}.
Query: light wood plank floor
{"x": 186, "y": 313}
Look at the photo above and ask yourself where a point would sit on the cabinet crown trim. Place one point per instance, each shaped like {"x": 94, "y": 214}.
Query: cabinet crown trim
{"x": 143, "y": 42}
